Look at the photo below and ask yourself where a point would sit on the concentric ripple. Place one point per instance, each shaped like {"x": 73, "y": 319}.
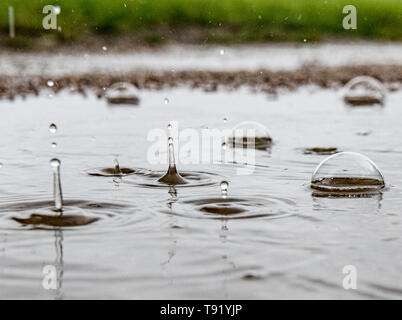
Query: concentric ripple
{"x": 149, "y": 179}
{"x": 225, "y": 208}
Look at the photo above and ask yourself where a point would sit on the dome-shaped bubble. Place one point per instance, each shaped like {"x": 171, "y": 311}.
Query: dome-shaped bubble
{"x": 250, "y": 134}
{"x": 122, "y": 93}
{"x": 347, "y": 172}
{"x": 364, "y": 90}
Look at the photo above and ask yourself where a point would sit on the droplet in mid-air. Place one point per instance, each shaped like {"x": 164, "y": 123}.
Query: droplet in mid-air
{"x": 224, "y": 145}
{"x": 166, "y": 101}
{"x": 225, "y": 120}
{"x": 57, "y": 194}
{"x": 1, "y": 165}
{"x": 172, "y": 177}
{"x": 222, "y": 52}
{"x": 52, "y": 128}
{"x": 117, "y": 167}
{"x": 250, "y": 134}
{"x": 104, "y": 48}
{"x": 364, "y": 90}
{"x": 224, "y": 188}
{"x": 122, "y": 93}
{"x": 54, "y": 144}
{"x": 347, "y": 173}
{"x": 50, "y": 83}
{"x": 57, "y": 9}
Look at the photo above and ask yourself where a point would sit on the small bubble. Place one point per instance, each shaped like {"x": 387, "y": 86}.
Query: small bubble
{"x": 166, "y": 101}
{"x": 50, "y": 83}
{"x": 54, "y": 144}
{"x": 55, "y": 163}
{"x": 53, "y": 128}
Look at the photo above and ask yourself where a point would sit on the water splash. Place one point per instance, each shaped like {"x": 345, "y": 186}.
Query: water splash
{"x": 117, "y": 169}
{"x": 172, "y": 177}
{"x": 57, "y": 193}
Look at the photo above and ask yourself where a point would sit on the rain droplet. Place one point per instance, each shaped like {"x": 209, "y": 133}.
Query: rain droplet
{"x": 166, "y": 101}
{"x": 170, "y": 140}
{"x": 53, "y": 128}
{"x": 50, "y": 83}
{"x": 224, "y": 188}
{"x": 222, "y": 52}
{"x": 225, "y": 120}
{"x": 57, "y": 10}
{"x": 1, "y": 165}
{"x": 305, "y": 40}
{"x": 55, "y": 163}
{"x": 169, "y": 126}
{"x": 224, "y": 145}
{"x": 54, "y": 144}
{"x": 104, "y": 48}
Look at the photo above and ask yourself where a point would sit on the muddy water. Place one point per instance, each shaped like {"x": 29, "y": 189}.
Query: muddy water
{"x": 274, "y": 239}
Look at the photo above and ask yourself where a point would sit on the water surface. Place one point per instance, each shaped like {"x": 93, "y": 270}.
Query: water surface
{"x": 155, "y": 242}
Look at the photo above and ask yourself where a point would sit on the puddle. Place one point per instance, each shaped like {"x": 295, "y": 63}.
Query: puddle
{"x": 147, "y": 239}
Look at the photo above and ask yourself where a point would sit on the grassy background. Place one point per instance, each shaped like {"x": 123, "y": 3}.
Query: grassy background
{"x": 220, "y": 20}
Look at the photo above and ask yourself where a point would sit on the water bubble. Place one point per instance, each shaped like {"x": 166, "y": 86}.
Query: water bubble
{"x": 364, "y": 90}
{"x": 166, "y": 101}
{"x": 54, "y": 144}
{"x": 55, "y": 163}
{"x": 50, "y": 83}
{"x": 52, "y": 128}
{"x": 122, "y": 93}
{"x": 250, "y": 134}
{"x": 347, "y": 172}
{"x": 222, "y": 52}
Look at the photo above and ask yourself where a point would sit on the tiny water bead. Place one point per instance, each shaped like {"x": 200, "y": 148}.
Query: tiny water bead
{"x": 224, "y": 188}
{"x": 52, "y": 128}
{"x": 347, "y": 174}
{"x": 104, "y": 48}
{"x": 57, "y": 193}
{"x": 364, "y": 90}
{"x": 50, "y": 83}
{"x": 250, "y": 134}
{"x": 122, "y": 93}
{"x": 54, "y": 144}
{"x": 222, "y": 52}
{"x": 166, "y": 101}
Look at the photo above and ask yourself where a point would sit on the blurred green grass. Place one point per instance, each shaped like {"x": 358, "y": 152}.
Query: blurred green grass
{"x": 221, "y": 20}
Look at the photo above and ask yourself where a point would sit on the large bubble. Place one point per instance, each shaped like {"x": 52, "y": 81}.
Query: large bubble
{"x": 347, "y": 172}
{"x": 250, "y": 134}
{"x": 364, "y": 90}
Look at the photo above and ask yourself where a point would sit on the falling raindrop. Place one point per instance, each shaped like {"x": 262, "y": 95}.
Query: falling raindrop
{"x": 224, "y": 145}
{"x": 54, "y": 144}
{"x": 53, "y": 128}
{"x": 166, "y": 101}
{"x": 50, "y": 83}
{"x": 222, "y": 52}
{"x": 225, "y": 120}
{"x": 104, "y": 48}
{"x": 169, "y": 126}
{"x": 224, "y": 189}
